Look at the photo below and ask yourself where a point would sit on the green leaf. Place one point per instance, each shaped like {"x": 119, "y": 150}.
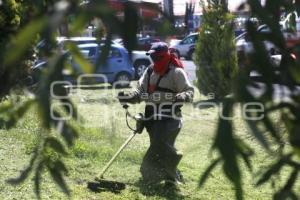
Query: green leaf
{"x": 54, "y": 73}
{"x": 17, "y": 112}
{"x": 208, "y": 171}
{"x": 70, "y": 111}
{"x": 79, "y": 22}
{"x": 23, "y": 40}
{"x": 5, "y": 106}
{"x": 85, "y": 65}
{"x": 67, "y": 131}
{"x": 21, "y": 110}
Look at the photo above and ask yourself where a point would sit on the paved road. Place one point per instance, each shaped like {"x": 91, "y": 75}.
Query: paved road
{"x": 190, "y": 69}
{"x": 281, "y": 92}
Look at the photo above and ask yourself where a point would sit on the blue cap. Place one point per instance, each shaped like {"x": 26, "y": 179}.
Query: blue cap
{"x": 158, "y": 47}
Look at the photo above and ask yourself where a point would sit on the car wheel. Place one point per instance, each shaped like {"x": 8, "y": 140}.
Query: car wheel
{"x": 190, "y": 55}
{"x": 122, "y": 80}
{"x": 140, "y": 66}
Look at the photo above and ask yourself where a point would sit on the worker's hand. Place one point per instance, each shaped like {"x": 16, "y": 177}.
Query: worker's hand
{"x": 180, "y": 97}
{"x": 125, "y": 97}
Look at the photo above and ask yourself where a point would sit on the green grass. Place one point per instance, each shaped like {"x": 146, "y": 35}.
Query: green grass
{"x": 104, "y": 132}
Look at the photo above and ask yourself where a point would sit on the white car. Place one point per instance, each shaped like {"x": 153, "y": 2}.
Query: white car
{"x": 140, "y": 62}
{"x": 244, "y": 45}
{"x": 186, "y": 47}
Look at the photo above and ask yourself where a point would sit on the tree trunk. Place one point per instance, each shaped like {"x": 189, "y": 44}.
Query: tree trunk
{"x": 64, "y": 29}
{"x": 224, "y": 3}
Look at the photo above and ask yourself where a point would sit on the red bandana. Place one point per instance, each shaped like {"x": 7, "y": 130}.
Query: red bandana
{"x": 162, "y": 64}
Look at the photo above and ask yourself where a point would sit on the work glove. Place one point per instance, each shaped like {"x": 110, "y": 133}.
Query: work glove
{"x": 180, "y": 97}
{"x": 122, "y": 97}
{"x": 186, "y": 96}
{"x": 125, "y": 97}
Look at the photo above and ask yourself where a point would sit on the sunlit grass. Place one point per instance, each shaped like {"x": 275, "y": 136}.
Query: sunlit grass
{"x": 104, "y": 131}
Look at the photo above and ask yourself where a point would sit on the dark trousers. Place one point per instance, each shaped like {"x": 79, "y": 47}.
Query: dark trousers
{"x": 161, "y": 159}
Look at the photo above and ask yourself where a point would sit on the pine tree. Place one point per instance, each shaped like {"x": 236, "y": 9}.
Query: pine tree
{"x": 216, "y": 58}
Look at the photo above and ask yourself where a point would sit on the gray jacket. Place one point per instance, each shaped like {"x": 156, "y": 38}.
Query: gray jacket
{"x": 174, "y": 82}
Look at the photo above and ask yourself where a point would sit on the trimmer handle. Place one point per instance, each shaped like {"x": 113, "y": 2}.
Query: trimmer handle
{"x": 139, "y": 123}
{"x": 125, "y": 106}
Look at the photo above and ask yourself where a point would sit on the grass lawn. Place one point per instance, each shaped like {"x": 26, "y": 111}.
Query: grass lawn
{"x": 105, "y": 130}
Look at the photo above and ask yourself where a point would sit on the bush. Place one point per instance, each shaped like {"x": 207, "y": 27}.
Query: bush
{"x": 12, "y": 15}
{"x": 216, "y": 58}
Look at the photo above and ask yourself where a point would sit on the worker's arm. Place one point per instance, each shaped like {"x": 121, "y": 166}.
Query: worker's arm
{"x": 184, "y": 89}
{"x": 135, "y": 95}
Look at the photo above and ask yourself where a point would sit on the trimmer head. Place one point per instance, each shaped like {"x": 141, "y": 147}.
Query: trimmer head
{"x": 100, "y": 185}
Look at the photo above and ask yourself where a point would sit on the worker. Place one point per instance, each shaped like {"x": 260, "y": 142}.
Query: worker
{"x": 164, "y": 87}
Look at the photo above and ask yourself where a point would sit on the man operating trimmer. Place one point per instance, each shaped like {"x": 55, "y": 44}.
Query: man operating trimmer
{"x": 164, "y": 87}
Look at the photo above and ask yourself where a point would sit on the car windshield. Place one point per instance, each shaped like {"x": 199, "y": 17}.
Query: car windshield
{"x": 189, "y": 40}
{"x": 114, "y": 53}
{"x": 89, "y": 52}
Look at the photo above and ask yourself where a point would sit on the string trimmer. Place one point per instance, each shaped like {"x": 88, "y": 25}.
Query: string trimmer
{"x": 101, "y": 184}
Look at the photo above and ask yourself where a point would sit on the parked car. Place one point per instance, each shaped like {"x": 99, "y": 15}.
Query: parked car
{"x": 117, "y": 69}
{"x": 244, "y": 45}
{"x": 61, "y": 40}
{"x": 140, "y": 62}
{"x": 139, "y": 58}
{"x": 60, "y": 43}
{"x": 76, "y": 40}
{"x": 145, "y": 43}
{"x": 173, "y": 42}
{"x": 118, "y": 66}
{"x": 186, "y": 47}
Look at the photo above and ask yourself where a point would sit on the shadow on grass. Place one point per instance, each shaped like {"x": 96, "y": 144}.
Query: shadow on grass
{"x": 159, "y": 190}
{"x": 102, "y": 185}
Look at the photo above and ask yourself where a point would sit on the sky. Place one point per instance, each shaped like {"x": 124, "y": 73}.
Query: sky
{"x": 179, "y": 5}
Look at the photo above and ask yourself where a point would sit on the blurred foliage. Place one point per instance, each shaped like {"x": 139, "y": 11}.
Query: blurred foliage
{"x": 282, "y": 144}
{"x": 215, "y": 52}
{"x": 11, "y": 19}
{"x": 22, "y": 25}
